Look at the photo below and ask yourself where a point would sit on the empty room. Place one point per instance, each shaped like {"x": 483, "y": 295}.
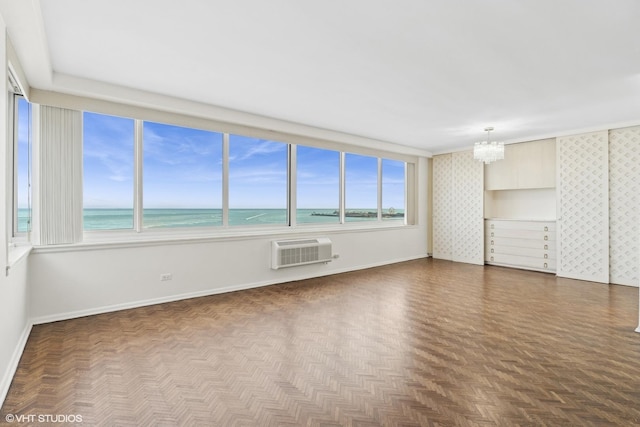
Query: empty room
{"x": 320, "y": 213}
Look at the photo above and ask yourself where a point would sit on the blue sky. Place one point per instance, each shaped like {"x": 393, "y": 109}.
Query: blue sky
{"x": 257, "y": 173}
{"x": 108, "y": 161}
{"x": 393, "y": 185}
{"x": 183, "y": 169}
{"x": 318, "y": 178}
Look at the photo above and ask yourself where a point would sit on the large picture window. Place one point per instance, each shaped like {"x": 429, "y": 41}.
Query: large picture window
{"x": 318, "y": 184}
{"x": 257, "y": 181}
{"x": 108, "y": 144}
{"x": 143, "y": 175}
{"x": 182, "y": 177}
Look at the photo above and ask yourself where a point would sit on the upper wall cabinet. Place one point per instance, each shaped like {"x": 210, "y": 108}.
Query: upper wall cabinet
{"x": 525, "y": 165}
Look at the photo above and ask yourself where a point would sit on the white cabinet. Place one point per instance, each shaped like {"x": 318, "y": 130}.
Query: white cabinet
{"x": 442, "y": 209}
{"x": 624, "y": 218}
{"x": 526, "y": 165}
{"x": 529, "y": 245}
{"x": 458, "y": 208}
{"x": 583, "y": 206}
{"x": 468, "y": 206}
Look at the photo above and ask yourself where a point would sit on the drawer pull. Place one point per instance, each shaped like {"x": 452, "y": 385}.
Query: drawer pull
{"x": 492, "y": 242}
{"x": 546, "y": 256}
{"x": 492, "y": 225}
{"x": 492, "y": 234}
{"x": 545, "y": 265}
{"x": 546, "y": 247}
{"x": 491, "y": 258}
{"x": 546, "y": 237}
{"x": 546, "y": 228}
{"x": 491, "y": 250}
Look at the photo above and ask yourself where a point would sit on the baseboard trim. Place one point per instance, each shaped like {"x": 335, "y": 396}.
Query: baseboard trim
{"x": 7, "y": 378}
{"x": 178, "y": 297}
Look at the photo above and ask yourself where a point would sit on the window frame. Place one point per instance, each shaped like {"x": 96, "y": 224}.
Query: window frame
{"x": 133, "y": 181}
{"x": 294, "y": 189}
{"x": 381, "y": 189}
{"x": 378, "y": 191}
{"x": 16, "y": 236}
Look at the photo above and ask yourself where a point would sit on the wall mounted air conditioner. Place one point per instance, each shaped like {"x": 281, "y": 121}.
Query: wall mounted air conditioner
{"x": 289, "y": 253}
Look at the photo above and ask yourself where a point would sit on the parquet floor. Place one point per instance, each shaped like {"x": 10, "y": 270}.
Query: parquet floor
{"x": 425, "y": 342}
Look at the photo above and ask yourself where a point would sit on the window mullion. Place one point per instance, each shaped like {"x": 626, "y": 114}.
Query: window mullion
{"x": 379, "y": 189}
{"x": 225, "y": 180}
{"x": 406, "y": 194}
{"x": 292, "y": 187}
{"x": 342, "y": 187}
{"x": 138, "y": 177}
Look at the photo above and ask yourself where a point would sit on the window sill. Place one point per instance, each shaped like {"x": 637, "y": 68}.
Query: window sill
{"x": 94, "y": 240}
{"x": 18, "y": 252}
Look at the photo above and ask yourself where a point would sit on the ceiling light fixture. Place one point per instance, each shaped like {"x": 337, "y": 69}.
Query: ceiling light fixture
{"x": 488, "y": 151}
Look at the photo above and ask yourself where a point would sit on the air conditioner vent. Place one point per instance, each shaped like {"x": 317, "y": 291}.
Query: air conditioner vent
{"x": 289, "y": 253}
{"x": 298, "y": 242}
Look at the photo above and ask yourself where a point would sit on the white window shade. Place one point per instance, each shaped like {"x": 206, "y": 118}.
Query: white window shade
{"x": 60, "y": 177}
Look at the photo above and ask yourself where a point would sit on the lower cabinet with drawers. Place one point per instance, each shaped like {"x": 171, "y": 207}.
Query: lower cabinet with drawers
{"x": 523, "y": 244}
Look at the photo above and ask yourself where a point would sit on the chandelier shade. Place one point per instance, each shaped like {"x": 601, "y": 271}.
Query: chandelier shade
{"x": 488, "y": 151}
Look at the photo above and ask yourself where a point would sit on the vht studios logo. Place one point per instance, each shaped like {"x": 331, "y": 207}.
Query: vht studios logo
{"x": 43, "y": 418}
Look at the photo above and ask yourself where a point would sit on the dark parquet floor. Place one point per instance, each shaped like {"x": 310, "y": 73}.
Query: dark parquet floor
{"x": 420, "y": 343}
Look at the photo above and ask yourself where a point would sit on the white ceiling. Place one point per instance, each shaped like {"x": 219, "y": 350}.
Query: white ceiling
{"x": 424, "y": 73}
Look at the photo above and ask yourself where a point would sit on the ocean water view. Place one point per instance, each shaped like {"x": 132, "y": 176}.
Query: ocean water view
{"x": 121, "y": 219}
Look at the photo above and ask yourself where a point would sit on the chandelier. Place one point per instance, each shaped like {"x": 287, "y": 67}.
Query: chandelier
{"x": 488, "y": 151}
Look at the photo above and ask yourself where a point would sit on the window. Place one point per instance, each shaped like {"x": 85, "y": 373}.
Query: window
{"x": 108, "y": 144}
{"x": 22, "y": 166}
{"x": 182, "y": 177}
{"x": 257, "y": 181}
{"x": 318, "y": 185}
{"x": 191, "y": 178}
{"x": 361, "y": 188}
{"x": 393, "y": 189}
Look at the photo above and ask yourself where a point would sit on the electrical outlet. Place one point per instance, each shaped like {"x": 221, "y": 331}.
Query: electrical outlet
{"x": 166, "y": 276}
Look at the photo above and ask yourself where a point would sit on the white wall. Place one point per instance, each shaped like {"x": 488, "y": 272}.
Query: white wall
{"x": 78, "y": 282}
{"x": 14, "y": 317}
{"x": 14, "y": 322}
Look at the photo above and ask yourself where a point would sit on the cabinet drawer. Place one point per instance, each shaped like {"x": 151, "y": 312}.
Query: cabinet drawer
{"x": 493, "y": 224}
{"x": 548, "y": 245}
{"x": 539, "y": 253}
{"x": 521, "y": 234}
{"x": 522, "y": 261}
